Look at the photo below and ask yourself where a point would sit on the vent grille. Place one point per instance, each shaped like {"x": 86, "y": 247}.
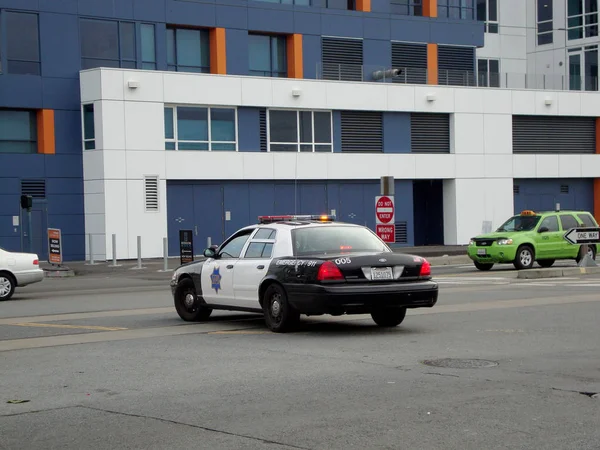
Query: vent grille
{"x": 151, "y": 193}
{"x": 342, "y": 59}
{"x": 401, "y": 233}
{"x": 516, "y": 189}
{"x": 362, "y": 132}
{"x": 564, "y": 188}
{"x": 430, "y": 133}
{"x": 34, "y": 188}
{"x": 412, "y": 58}
{"x": 456, "y": 65}
{"x": 263, "y": 129}
{"x": 548, "y": 134}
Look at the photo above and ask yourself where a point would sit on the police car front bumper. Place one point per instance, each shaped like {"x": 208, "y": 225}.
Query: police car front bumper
{"x": 361, "y": 299}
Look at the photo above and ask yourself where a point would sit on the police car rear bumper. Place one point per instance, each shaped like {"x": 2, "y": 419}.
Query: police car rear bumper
{"x": 361, "y": 299}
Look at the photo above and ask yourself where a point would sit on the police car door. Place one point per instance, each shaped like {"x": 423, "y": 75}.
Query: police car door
{"x": 252, "y": 267}
{"x": 217, "y": 272}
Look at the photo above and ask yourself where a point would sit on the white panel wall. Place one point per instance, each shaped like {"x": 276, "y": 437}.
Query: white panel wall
{"x": 477, "y": 173}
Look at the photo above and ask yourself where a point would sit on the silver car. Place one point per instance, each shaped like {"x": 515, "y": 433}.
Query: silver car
{"x": 18, "y": 270}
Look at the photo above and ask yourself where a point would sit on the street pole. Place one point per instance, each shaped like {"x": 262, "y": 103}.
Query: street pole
{"x": 30, "y": 230}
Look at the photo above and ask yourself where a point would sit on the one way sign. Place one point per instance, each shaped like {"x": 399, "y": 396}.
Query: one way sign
{"x": 583, "y": 236}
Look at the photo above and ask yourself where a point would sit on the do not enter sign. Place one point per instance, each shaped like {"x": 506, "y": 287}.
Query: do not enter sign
{"x": 385, "y": 218}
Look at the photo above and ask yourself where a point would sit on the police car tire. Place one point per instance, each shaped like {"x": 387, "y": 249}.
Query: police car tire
{"x": 286, "y": 318}
{"x": 389, "y": 317}
{"x": 197, "y": 313}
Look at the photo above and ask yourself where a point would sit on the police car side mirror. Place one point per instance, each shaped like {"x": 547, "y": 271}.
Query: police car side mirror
{"x": 209, "y": 253}
{"x": 543, "y": 230}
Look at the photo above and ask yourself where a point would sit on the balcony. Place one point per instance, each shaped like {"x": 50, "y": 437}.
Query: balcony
{"x": 417, "y": 75}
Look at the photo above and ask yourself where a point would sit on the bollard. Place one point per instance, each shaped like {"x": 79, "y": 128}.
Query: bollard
{"x": 114, "y": 250}
{"x": 208, "y": 242}
{"x": 139, "y": 252}
{"x": 165, "y": 254}
{"x": 91, "y": 245}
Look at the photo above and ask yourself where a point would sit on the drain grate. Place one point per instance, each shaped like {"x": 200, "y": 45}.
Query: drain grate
{"x": 452, "y": 363}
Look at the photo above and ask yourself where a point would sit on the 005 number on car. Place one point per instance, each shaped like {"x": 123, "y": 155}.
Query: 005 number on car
{"x": 340, "y": 261}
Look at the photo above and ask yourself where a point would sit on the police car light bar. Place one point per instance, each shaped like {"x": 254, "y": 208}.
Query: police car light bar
{"x": 292, "y": 218}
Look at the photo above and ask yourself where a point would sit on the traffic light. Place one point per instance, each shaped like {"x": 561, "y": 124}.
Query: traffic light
{"x": 26, "y": 201}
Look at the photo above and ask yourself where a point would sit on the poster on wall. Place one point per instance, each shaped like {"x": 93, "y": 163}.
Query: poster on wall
{"x": 186, "y": 246}
{"x": 54, "y": 246}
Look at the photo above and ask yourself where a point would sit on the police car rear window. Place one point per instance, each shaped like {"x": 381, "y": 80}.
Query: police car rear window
{"x": 335, "y": 240}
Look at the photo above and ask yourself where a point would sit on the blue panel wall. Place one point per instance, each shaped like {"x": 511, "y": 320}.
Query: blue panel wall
{"x": 396, "y": 132}
{"x": 543, "y": 194}
{"x": 377, "y": 56}
{"x": 248, "y": 129}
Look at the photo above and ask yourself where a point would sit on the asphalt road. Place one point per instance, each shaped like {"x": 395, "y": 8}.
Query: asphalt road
{"x": 105, "y": 363}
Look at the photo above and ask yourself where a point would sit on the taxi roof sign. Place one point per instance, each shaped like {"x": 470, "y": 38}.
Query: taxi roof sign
{"x": 293, "y": 218}
{"x": 528, "y": 212}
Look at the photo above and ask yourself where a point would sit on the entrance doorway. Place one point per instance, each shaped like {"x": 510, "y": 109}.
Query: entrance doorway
{"x": 428, "y": 208}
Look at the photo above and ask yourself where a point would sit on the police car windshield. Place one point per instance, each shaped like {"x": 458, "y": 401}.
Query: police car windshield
{"x": 520, "y": 223}
{"x": 332, "y": 240}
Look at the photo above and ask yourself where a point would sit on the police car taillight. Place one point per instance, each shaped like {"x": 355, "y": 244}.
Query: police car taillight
{"x": 294, "y": 218}
{"x": 425, "y": 269}
{"x": 329, "y": 271}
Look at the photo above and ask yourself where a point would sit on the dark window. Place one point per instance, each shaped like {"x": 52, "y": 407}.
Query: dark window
{"x": 265, "y": 233}
{"x": 551, "y": 223}
{"x": 487, "y": 12}
{"x": 89, "y": 131}
{"x": 591, "y": 70}
{"x": 234, "y": 247}
{"x": 582, "y": 19}
{"x": 188, "y": 50}
{"x": 22, "y": 43}
{"x": 106, "y": 43}
{"x": 18, "y": 131}
{"x": 341, "y": 59}
{"x": 200, "y": 128}
{"x": 407, "y": 7}
{"x": 587, "y": 220}
{"x": 259, "y": 250}
{"x": 488, "y": 72}
{"x": 148, "y": 41}
{"x": 547, "y": 134}
{"x": 267, "y": 55}
{"x": 456, "y": 9}
{"x": 329, "y": 240}
{"x": 362, "y": 132}
{"x": 544, "y": 22}
{"x": 568, "y": 222}
{"x": 305, "y": 131}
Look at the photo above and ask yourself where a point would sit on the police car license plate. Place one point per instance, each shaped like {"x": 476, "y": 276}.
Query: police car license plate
{"x": 381, "y": 273}
{"x": 481, "y": 252}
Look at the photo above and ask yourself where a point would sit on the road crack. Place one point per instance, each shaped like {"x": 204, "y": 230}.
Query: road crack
{"x": 198, "y": 427}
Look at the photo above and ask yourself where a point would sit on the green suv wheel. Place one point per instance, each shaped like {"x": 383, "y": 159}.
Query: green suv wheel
{"x": 525, "y": 258}
{"x": 483, "y": 266}
{"x": 546, "y": 262}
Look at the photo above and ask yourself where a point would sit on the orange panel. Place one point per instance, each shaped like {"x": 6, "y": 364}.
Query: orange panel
{"x": 218, "y": 51}
{"x": 294, "y": 51}
{"x": 430, "y": 8}
{"x": 432, "y": 64}
{"x": 363, "y": 5}
{"x": 45, "y": 129}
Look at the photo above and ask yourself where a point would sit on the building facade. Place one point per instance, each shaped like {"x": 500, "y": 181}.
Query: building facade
{"x": 145, "y": 118}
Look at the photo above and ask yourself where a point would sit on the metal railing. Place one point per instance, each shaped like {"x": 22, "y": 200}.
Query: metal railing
{"x": 415, "y": 75}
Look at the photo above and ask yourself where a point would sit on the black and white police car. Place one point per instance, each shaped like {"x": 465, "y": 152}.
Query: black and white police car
{"x": 286, "y": 266}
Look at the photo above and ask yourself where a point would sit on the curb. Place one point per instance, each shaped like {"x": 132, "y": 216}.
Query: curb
{"x": 557, "y": 272}
{"x": 59, "y": 273}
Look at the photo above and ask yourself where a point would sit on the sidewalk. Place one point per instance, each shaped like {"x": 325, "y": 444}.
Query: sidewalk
{"x": 152, "y": 268}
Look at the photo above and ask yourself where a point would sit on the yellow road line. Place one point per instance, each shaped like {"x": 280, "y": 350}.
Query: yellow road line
{"x": 53, "y": 325}
{"x": 240, "y": 332}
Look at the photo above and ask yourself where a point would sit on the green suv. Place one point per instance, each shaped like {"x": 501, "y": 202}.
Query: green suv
{"x": 530, "y": 237}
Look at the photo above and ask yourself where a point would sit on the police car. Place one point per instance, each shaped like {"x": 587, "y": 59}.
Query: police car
{"x": 286, "y": 266}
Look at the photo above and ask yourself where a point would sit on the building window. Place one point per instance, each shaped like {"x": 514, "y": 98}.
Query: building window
{"x": 456, "y": 9}
{"x": 148, "y": 41}
{"x": 18, "y": 131}
{"x": 407, "y": 7}
{"x": 300, "y": 131}
{"x": 583, "y": 68}
{"x": 188, "y": 50}
{"x": 288, "y": 2}
{"x": 89, "y": 128}
{"x": 200, "y": 128}
{"x": 267, "y": 55}
{"x": 544, "y": 22}
{"x": 582, "y": 19}
{"x": 487, "y": 12}
{"x": 106, "y": 43}
{"x": 488, "y": 72}
{"x": 22, "y": 43}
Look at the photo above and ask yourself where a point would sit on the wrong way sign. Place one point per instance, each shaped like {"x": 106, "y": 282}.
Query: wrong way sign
{"x": 385, "y": 218}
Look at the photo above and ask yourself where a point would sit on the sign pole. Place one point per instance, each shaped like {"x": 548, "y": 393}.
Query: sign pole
{"x": 385, "y": 211}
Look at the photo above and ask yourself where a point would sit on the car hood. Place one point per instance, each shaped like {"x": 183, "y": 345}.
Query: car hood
{"x": 497, "y": 235}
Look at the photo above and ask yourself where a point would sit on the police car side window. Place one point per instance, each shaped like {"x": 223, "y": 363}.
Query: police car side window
{"x": 259, "y": 250}
{"x": 551, "y": 223}
{"x": 233, "y": 248}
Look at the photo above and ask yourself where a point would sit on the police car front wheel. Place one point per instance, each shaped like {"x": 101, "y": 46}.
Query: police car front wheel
{"x": 280, "y": 316}
{"x": 187, "y": 304}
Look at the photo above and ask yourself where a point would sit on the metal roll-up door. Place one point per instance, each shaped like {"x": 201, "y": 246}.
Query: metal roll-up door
{"x": 430, "y": 133}
{"x": 412, "y": 59}
{"x": 456, "y": 65}
{"x": 342, "y": 59}
{"x": 362, "y": 132}
{"x": 549, "y": 134}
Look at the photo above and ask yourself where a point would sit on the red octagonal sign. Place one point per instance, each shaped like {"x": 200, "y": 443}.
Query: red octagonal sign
{"x": 384, "y": 209}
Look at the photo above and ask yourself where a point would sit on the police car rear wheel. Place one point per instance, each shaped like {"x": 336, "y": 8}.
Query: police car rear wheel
{"x": 279, "y": 314}
{"x": 389, "y": 317}
{"x": 186, "y": 302}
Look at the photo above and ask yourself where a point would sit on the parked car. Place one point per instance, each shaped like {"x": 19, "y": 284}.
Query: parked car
{"x": 286, "y": 266}
{"x": 529, "y": 237}
{"x": 18, "y": 270}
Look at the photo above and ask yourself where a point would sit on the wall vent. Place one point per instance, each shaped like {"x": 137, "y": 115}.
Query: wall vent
{"x": 362, "y": 131}
{"x": 35, "y": 188}
{"x": 402, "y": 232}
{"x": 564, "y": 188}
{"x": 516, "y": 189}
{"x": 262, "y": 124}
{"x": 151, "y": 193}
{"x": 430, "y": 133}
